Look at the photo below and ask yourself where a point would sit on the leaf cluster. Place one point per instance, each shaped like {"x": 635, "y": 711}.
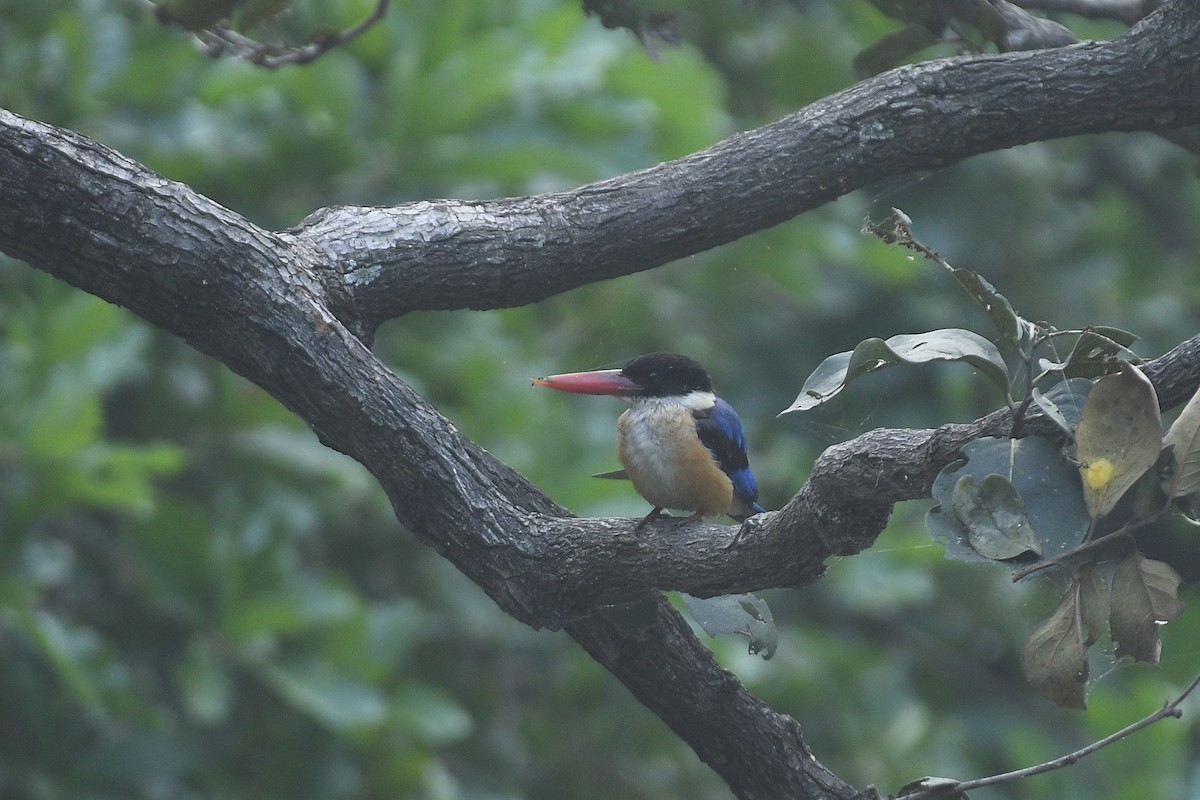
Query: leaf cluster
{"x": 1034, "y": 502}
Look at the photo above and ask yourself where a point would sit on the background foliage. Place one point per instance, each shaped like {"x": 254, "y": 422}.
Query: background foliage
{"x": 198, "y": 600}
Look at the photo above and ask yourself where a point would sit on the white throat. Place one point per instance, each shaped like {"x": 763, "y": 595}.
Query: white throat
{"x": 692, "y": 401}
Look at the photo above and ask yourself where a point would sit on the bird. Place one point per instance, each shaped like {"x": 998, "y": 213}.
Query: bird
{"x": 681, "y": 446}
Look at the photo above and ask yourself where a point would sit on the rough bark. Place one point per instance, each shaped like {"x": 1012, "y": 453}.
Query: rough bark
{"x": 920, "y": 117}
{"x": 292, "y": 311}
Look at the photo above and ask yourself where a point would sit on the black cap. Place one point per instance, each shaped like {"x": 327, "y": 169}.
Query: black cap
{"x": 667, "y": 375}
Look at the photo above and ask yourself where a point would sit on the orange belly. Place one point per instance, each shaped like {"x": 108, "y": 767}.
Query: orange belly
{"x": 669, "y": 465}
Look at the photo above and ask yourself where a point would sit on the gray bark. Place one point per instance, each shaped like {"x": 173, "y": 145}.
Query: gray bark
{"x": 294, "y": 312}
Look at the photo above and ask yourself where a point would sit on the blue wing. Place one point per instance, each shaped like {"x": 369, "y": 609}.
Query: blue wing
{"x": 721, "y": 431}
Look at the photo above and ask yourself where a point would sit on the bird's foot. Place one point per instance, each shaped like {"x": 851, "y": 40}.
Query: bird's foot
{"x": 657, "y": 513}
{"x": 646, "y": 520}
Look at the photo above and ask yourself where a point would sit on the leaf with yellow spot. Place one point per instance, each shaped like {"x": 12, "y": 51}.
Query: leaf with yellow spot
{"x": 1119, "y": 437}
{"x": 1098, "y": 473}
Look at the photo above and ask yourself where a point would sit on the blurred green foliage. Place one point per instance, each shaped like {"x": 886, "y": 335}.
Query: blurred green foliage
{"x": 198, "y": 600}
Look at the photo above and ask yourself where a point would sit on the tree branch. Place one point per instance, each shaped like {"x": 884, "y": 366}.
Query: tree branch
{"x": 1169, "y": 709}
{"x": 221, "y": 40}
{"x": 79, "y": 211}
{"x": 249, "y": 298}
{"x": 920, "y": 117}
{"x": 272, "y": 307}
{"x": 758, "y": 751}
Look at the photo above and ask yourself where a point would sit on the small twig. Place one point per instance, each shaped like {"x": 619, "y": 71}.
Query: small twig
{"x": 222, "y": 40}
{"x": 1169, "y": 709}
{"x": 1018, "y": 413}
{"x": 897, "y": 229}
{"x": 1091, "y": 544}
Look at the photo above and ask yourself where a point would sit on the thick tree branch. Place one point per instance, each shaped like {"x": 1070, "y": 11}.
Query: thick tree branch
{"x": 489, "y": 254}
{"x": 840, "y": 510}
{"x": 778, "y": 764}
{"x": 271, "y": 307}
{"x": 101, "y": 222}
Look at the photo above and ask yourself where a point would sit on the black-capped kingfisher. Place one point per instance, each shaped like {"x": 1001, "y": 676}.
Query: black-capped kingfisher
{"x": 681, "y": 445}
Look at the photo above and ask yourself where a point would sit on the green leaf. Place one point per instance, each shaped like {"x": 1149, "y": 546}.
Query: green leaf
{"x": 1055, "y": 656}
{"x": 1063, "y": 404}
{"x": 205, "y": 683}
{"x": 1047, "y": 484}
{"x": 1145, "y": 593}
{"x": 395, "y": 630}
{"x": 66, "y": 649}
{"x": 871, "y": 355}
{"x": 1098, "y": 340}
{"x": 63, "y": 422}
{"x": 994, "y": 516}
{"x": 742, "y": 614}
{"x": 432, "y": 716}
{"x": 119, "y": 476}
{"x": 1008, "y": 323}
{"x": 308, "y": 605}
{"x": 1119, "y": 437}
{"x": 1096, "y": 350}
{"x": 1089, "y": 368}
{"x": 1183, "y": 438}
{"x": 316, "y": 688}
